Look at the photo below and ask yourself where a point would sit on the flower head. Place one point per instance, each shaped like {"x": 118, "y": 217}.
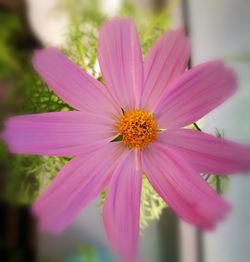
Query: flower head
{"x": 146, "y": 105}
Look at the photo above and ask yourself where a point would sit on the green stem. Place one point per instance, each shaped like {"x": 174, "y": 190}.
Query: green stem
{"x": 197, "y": 127}
{"x": 218, "y": 185}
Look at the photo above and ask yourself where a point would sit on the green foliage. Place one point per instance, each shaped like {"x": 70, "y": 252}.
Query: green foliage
{"x": 219, "y": 183}
{"x": 117, "y": 139}
{"x": 149, "y": 25}
{"x": 29, "y": 175}
{"x": 9, "y": 25}
{"x": 24, "y": 176}
{"x": 242, "y": 58}
{"x": 39, "y": 98}
{"x": 151, "y": 204}
{"x": 86, "y": 21}
{"x": 82, "y": 253}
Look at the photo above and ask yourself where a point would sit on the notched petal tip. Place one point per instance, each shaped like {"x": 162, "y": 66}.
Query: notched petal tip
{"x": 232, "y": 77}
{"x": 215, "y": 215}
{"x": 206, "y": 153}
{"x": 180, "y": 31}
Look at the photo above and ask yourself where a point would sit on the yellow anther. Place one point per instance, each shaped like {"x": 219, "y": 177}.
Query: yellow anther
{"x": 138, "y": 128}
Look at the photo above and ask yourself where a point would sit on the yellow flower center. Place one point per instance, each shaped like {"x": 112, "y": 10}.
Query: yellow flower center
{"x": 138, "y": 128}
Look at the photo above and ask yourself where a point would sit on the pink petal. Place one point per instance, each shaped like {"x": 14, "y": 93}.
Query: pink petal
{"x": 122, "y": 207}
{"x": 60, "y": 134}
{"x": 71, "y": 83}
{"x": 81, "y": 180}
{"x": 121, "y": 63}
{"x": 194, "y": 94}
{"x": 165, "y": 62}
{"x": 182, "y": 188}
{"x": 206, "y": 153}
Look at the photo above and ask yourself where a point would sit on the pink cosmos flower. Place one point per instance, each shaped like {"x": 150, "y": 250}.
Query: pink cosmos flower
{"x": 146, "y": 105}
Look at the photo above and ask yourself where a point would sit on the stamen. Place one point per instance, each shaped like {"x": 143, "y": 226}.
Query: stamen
{"x": 138, "y": 128}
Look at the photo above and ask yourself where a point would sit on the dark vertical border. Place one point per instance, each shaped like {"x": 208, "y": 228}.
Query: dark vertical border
{"x": 18, "y": 236}
{"x": 169, "y": 237}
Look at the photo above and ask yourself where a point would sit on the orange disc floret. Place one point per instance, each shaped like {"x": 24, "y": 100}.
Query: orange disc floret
{"x": 138, "y": 128}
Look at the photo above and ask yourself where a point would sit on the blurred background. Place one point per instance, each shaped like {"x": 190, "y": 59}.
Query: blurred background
{"x": 218, "y": 29}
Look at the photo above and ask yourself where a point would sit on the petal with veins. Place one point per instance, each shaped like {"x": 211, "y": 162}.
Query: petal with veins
{"x": 183, "y": 189}
{"x": 120, "y": 59}
{"x": 166, "y": 61}
{"x": 206, "y": 153}
{"x": 79, "y": 182}
{"x": 122, "y": 206}
{"x": 72, "y": 84}
{"x": 194, "y": 94}
{"x": 58, "y": 134}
